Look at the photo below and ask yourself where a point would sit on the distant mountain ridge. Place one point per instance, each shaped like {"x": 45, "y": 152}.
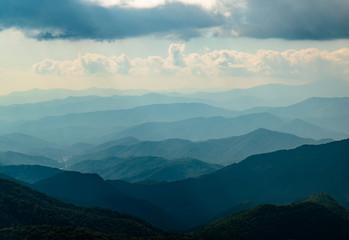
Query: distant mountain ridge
{"x": 322, "y": 118}
{"x": 83, "y": 104}
{"x": 218, "y": 151}
{"x": 40, "y": 95}
{"x": 329, "y": 113}
{"x": 15, "y": 158}
{"x": 237, "y": 99}
{"x": 80, "y": 127}
{"x": 198, "y": 129}
{"x": 137, "y": 169}
{"x": 19, "y": 142}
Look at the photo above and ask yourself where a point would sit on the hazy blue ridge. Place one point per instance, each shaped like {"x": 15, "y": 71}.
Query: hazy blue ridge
{"x": 15, "y": 158}
{"x": 218, "y": 151}
{"x": 137, "y": 169}
{"x": 86, "y": 127}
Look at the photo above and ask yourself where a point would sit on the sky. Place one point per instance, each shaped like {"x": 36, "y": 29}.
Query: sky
{"x": 171, "y": 44}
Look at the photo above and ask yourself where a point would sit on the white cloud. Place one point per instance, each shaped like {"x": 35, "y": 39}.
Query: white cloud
{"x": 89, "y": 63}
{"x": 176, "y": 55}
{"x": 309, "y": 64}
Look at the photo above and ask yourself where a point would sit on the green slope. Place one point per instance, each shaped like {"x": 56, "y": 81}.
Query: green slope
{"x": 92, "y": 190}
{"x": 28, "y": 214}
{"x": 25, "y": 212}
{"x": 277, "y": 177}
{"x": 29, "y": 173}
{"x": 309, "y": 219}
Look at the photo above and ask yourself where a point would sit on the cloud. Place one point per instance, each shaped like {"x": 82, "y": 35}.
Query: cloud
{"x": 85, "y": 19}
{"x": 292, "y": 19}
{"x": 208, "y": 4}
{"x": 77, "y": 19}
{"x": 307, "y": 64}
{"x": 176, "y": 54}
{"x": 89, "y": 63}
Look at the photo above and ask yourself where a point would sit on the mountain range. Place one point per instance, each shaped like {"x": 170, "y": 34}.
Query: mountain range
{"x": 218, "y": 151}
{"x": 136, "y": 169}
{"x": 29, "y": 173}
{"x": 83, "y": 104}
{"x": 187, "y": 120}
{"x": 28, "y": 214}
{"x": 329, "y": 113}
{"x": 84, "y": 127}
{"x": 310, "y": 118}
{"x": 236, "y": 164}
{"x": 318, "y": 217}
{"x": 91, "y": 190}
{"x": 278, "y": 177}
{"x": 237, "y": 99}
{"x": 15, "y": 158}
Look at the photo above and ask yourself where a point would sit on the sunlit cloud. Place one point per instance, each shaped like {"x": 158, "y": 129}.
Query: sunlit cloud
{"x": 308, "y": 63}
{"x": 208, "y": 4}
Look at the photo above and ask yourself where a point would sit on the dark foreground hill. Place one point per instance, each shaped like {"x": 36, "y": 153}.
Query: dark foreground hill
{"x": 29, "y": 173}
{"x": 279, "y": 177}
{"x": 92, "y": 190}
{"x": 318, "y": 217}
{"x": 28, "y": 214}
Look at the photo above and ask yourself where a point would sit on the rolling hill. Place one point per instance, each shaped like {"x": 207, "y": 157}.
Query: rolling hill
{"x": 318, "y": 217}
{"x": 91, "y": 190}
{"x": 18, "y": 142}
{"x": 137, "y": 169}
{"x": 29, "y": 173}
{"x": 278, "y": 177}
{"x": 14, "y": 158}
{"x": 28, "y": 214}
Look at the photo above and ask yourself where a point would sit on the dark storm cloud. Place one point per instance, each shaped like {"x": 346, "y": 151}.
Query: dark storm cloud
{"x": 75, "y": 19}
{"x": 294, "y": 19}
